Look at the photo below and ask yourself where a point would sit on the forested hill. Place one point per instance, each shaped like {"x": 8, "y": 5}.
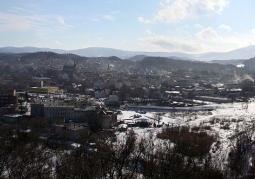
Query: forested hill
{"x": 171, "y": 64}
{"x": 250, "y": 64}
{"x": 50, "y": 55}
{"x": 101, "y": 63}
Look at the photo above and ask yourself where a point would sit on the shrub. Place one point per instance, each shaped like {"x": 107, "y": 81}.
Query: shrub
{"x": 225, "y": 127}
{"x": 189, "y": 143}
{"x": 142, "y": 124}
{"x": 233, "y": 120}
{"x": 184, "y": 129}
{"x": 195, "y": 128}
{"x": 206, "y": 127}
{"x": 212, "y": 121}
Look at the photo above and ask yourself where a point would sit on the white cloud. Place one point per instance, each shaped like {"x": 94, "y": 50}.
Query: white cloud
{"x": 222, "y": 26}
{"x": 198, "y": 26}
{"x": 222, "y": 42}
{"x": 19, "y": 22}
{"x": 22, "y": 22}
{"x": 115, "y": 12}
{"x": 58, "y": 43}
{"x": 172, "y": 44}
{"x": 207, "y": 39}
{"x": 95, "y": 20}
{"x": 100, "y": 38}
{"x": 123, "y": 42}
{"x": 253, "y": 31}
{"x": 141, "y": 19}
{"x": 109, "y": 17}
{"x": 207, "y": 33}
{"x": 17, "y": 9}
{"x": 61, "y": 20}
{"x": 148, "y": 32}
{"x": 177, "y": 10}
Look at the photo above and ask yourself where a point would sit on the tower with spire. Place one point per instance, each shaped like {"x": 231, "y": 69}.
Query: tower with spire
{"x": 108, "y": 67}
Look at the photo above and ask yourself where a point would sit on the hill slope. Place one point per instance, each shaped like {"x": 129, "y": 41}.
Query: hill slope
{"x": 242, "y": 53}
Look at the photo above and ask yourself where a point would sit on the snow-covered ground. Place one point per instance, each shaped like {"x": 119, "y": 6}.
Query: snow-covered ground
{"x": 224, "y": 122}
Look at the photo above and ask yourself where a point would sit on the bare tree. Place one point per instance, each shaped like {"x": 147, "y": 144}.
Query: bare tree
{"x": 158, "y": 117}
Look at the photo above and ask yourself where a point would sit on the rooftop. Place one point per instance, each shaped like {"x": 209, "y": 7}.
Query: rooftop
{"x": 73, "y": 126}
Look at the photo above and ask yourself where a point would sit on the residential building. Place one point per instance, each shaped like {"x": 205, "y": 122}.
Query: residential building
{"x": 72, "y": 131}
{"x": 45, "y": 89}
{"x": 8, "y": 97}
{"x": 107, "y": 119}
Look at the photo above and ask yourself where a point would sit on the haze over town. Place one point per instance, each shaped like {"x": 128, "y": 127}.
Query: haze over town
{"x": 162, "y": 25}
{"x": 127, "y": 89}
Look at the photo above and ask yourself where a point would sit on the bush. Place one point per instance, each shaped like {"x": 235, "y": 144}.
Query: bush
{"x": 142, "y": 124}
{"x": 206, "y": 127}
{"x": 189, "y": 143}
{"x": 225, "y": 127}
{"x": 196, "y": 128}
{"x": 233, "y": 120}
{"x": 212, "y": 121}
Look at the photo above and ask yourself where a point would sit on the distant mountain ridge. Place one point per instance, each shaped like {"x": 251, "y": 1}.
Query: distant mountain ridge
{"x": 146, "y": 64}
{"x": 242, "y": 53}
{"x": 29, "y": 50}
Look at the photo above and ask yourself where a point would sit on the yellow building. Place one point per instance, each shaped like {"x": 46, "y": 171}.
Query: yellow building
{"x": 43, "y": 89}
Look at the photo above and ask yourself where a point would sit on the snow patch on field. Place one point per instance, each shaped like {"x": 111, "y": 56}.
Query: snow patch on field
{"x": 224, "y": 122}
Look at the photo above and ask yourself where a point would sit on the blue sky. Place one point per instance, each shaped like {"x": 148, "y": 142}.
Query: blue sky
{"x": 191, "y": 26}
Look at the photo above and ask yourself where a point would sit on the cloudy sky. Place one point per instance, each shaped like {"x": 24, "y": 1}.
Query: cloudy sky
{"x": 191, "y": 26}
